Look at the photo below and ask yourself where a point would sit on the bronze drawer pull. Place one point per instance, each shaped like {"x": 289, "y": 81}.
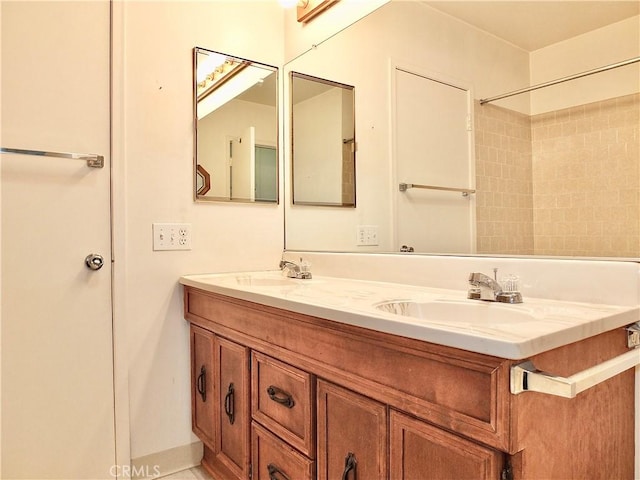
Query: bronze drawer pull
{"x": 275, "y": 473}
{"x": 280, "y": 396}
{"x": 350, "y": 464}
{"x": 201, "y": 383}
{"x": 229, "y": 404}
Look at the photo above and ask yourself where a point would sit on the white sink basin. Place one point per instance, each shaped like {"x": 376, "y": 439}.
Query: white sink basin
{"x": 458, "y": 312}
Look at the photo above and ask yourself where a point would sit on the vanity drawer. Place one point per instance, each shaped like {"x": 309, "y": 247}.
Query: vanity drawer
{"x": 274, "y": 459}
{"x": 283, "y": 401}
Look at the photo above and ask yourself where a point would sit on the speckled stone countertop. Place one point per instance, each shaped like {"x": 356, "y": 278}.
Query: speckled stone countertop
{"x": 439, "y": 316}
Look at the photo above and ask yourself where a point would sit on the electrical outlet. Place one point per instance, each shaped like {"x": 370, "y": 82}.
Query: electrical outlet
{"x": 367, "y": 235}
{"x": 172, "y": 236}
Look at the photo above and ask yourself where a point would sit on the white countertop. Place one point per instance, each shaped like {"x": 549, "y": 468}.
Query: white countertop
{"x": 446, "y": 317}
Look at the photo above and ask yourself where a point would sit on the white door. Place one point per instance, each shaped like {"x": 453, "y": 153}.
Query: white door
{"x": 243, "y": 160}
{"x": 57, "y": 354}
{"x": 433, "y": 147}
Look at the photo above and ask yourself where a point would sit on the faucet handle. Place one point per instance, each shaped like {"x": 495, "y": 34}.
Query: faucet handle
{"x": 305, "y": 269}
{"x": 509, "y": 297}
{"x": 510, "y": 283}
{"x": 510, "y": 290}
{"x": 483, "y": 287}
{"x": 293, "y": 270}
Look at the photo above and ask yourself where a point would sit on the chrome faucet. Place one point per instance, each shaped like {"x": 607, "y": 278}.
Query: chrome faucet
{"x": 293, "y": 270}
{"x": 483, "y": 287}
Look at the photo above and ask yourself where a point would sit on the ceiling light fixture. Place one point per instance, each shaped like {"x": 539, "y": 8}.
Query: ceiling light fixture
{"x": 294, "y": 3}
{"x": 216, "y": 70}
{"x": 311, "y": 8}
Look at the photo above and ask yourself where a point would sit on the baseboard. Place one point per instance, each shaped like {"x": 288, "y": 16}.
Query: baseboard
{"x": 161, "y": 464}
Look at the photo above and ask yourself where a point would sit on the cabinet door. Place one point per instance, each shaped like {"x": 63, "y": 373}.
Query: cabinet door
{"x": 203, "y": 409}
{"x": 420, "y": 450}
{"x": 352, "y": 435}
{"x": 283, "y": 400}
{"x": 232, "y": 434}
{"x": 273, "y": 459}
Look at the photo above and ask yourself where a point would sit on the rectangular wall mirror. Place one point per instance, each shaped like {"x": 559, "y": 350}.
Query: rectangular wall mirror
{"x": 236, "y": 129}
{"x": 322, "y": 142}
{"x": 551, "y": 171}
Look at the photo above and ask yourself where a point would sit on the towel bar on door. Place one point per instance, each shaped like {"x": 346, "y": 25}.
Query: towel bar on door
{"x": 403, "y": 187}
{"x": 93, "y": 161}
{"x": 526, "y": 378}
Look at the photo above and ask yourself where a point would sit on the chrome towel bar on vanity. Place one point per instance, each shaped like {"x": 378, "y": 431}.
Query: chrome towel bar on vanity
{"x": 526, "y": 378}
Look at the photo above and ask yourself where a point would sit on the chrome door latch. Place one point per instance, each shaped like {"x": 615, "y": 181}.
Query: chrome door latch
{"x": 93, "y": 261}
{"x": 633, "y": 335}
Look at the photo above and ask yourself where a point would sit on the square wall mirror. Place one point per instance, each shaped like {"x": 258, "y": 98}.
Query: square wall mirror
{"x": 236, "y": 128}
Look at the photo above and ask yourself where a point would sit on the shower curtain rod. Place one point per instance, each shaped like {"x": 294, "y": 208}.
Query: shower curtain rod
{"x": 561, "y": 80}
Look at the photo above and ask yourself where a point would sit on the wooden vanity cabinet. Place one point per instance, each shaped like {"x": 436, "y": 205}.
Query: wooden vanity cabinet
{"x": 232, "y": 433}
{"x": 283, "y": 400}
{"x": 313, "y": 398}
{"x": 419, "y": 450}
{"x": 274, "y": 459}
{"x": 220, "y": 402}
{"x": 203, "y": 410}
{"x": 353, "y": 440}
{"x": 352, "y": 435}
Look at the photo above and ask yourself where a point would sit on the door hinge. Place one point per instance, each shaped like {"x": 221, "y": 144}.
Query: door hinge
{"x": 469, "y": 125}
{"x": 507, "y": 472}
{"x": 251, "y": 470}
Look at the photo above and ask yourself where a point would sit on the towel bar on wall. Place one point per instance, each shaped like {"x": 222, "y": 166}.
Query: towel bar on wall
{"x": 403, "y": 187}
{"x": 93, "y": 161}
{"x": 526, "y": 378}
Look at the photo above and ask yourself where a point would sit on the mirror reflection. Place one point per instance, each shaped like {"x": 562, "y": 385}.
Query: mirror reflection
{"x": 551, "y": 172}
{"x": 236, "y": 129}
{"x": 322, "y": 142}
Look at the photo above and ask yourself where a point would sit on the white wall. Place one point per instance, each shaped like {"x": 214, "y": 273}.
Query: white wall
{"x": 301, "y": 37}
{"x": 153, "y": 145}
{"x": 409, "y": 34}
{"x": 318, "y": 167}
{"x": 604, "y": 46}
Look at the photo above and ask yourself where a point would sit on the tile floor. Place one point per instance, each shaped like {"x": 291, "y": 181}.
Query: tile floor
{"x": 195, "y": 473}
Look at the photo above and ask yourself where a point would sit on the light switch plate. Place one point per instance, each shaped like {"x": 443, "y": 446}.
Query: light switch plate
{"x": 171, "y": 236}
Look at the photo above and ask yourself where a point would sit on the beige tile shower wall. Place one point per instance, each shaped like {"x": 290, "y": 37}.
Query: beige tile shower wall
{"x": 586, "y": 178}
{"x": 503, "y": 181}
